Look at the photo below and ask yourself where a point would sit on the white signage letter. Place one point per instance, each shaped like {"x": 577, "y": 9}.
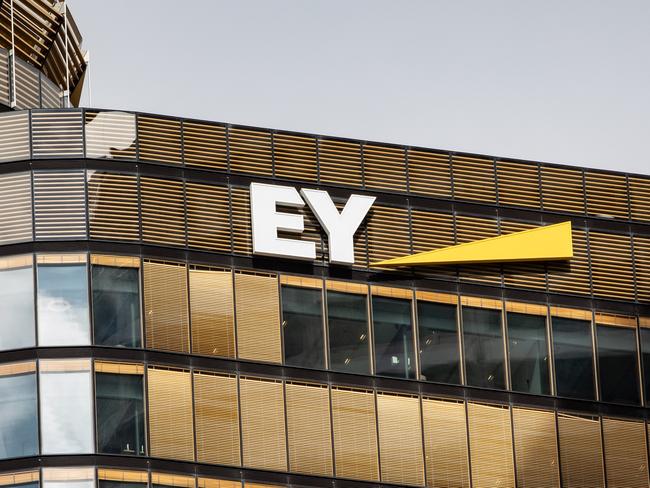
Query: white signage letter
{"x": 340, "y": 227}
{"x": 267, "y": 221}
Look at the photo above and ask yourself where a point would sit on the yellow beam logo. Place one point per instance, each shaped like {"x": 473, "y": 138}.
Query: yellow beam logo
{"x": 549, "y": 243}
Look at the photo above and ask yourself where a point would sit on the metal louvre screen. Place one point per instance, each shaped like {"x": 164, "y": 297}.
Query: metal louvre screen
{"x": 581, "y": 453}
{"x": 15, "y": 208}
{"x": 474, "y": 179}
{"x": 241, "y": 221}
{"x": 163, "y": 211}
{"x": 50, "y": 93}
{"x": 400, "y": 439}
{"x": 204, "y": 145}
{"x": 159, "y": 139}
{"x": 422, "y": 221}
{"x": 212, "y": 312}
{"x": 640, "y": 198}
{"x": 611, "y": 265}
{"x": 27, "y": 86}
{"x": 339, "y": 162}
{"x": 563, "y": 189}
{"x": 165, "y": 306}
{"x": 57, "y": 134}
{"x": 384, "y": 168}
{"x": 171, "y": 433}
{"x": 250, "y": 151}
{"x": 536, "y": 452}
{"x": 60, "y": 204}
{"x": 642, "y": 265}
{"x": 469, "y": 229}
{"x": 518, "y": 184}
{"x": 355, "y": 434}
{"x": 208, "y": 219}
{"x": 113, "y": 206}
{"x": 445, "y": 443}
{"x": 216, "y": 415}
{"x": 429, "y": 173}
{"x": 606, "y": 195}
{"x": 388, "y": 233}
{"x": 263, "y": 424}
{"x": 490, "y": 440}
{"x": 110, "y": 135}
{"x": 572, "y": 277}
{"x": 309, "y": 429}
{"x": 295, "y": 157}
{"x": 625, "y": 453}
{"x": 4, "y": 76}
{"x": 524, "y": 275}
{"x": 14, "y": 136}
{"x": 257, "y": 304}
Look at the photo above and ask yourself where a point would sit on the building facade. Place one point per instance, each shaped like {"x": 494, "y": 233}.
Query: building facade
{"x": 143, "y": 342}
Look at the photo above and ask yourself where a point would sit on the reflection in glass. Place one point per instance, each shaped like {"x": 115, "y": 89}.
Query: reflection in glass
{"x": 347, "y": 316}
{"x": 18, "y": 416}
{"x": 617, "y": 360}
{"x": 302, "y": 321}
{"x": 17, "y": 307}
{"x": 393, "y": 336}
{"x": 116, "y": 306}
{"x": 66, "y": 409}
{"x": 645, "y": 356}
{"x": 484, "y": 354}
{"x": 63, "y": 316}
{"x": 439, "y": 351}
{"x": 120, "y": 414}
{"x": 574, "y": 367}
{"x": 528, "y": 353}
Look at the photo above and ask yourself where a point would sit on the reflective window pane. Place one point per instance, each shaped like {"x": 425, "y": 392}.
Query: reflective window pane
{"x": 528, "y": 353}
{"x": 645, "y": 356}
{"x": 116, "y": 306}
{"x": 393, "y": 336}
{"x": 483, "y": 340}
{"x": 18, "y": 411}
{"x": 17, "y": 304}
{"x": 302, "y": 322}
{"x": 120, "y": 414}
{"x": 66, "y": 407}
{"x": 439, "y": 350}
{"x": 347, "y": 316}
{"x": 63, "y": 315}
{"x": 617, "y": 361}
{"x": 574, "y": 368}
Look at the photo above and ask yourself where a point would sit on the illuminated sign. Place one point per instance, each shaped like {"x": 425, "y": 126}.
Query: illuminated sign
{"x": 267, "y": 221}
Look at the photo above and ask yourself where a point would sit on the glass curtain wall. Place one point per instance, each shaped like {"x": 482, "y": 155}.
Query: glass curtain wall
{"x": 439, "y": 347}
{"x": 17, "y": 302}
{"x": 644, "y": 336}
{"x": 528, "y": 350}
{"x": 393, "y": 337}
{"x": 484, "y": 348}
{"x": 574, "y": 367}
{"x": 302, "y": 323}
{"x": 347, "y": 315}
{"x": 18, "y": 410}
{"x": 617, "y": 361}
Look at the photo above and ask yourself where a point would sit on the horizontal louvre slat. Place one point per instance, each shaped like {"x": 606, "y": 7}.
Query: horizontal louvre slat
{"x": 429, "y": 231}
{"x": 204, "y": 145}
{"x": 57, "y": 135}
{"x": 388, "y": 233}
{"x": 60, "y": 204}
{"x": 536, "y": 451}
{"x": 518, "y": 184}
{"x": 163, "y": 211}
{"x": 581, "y": 453}
{"x": 250, "y": 151}
{"x": 429, "y": 173}
{"x": 14, "y": 136}
{"x": 15, "y": 208}
{"x": 611, "y": 265}
{"x": 606, "y": 195}
{"x": 110, "y": 135}
{"x": 524, "y": 275}
{"x": 27, "y": 86}
{"x": 640, "y": 198}
{"x": 113, "y": 206}
{"x": 50, "y": 93}
{"x": 208, "y": 219}
{"x": 642, "y": 266}
{"x": 241, "y": 221}
{"x": 562, "y": 189}
{"x": 572, "y": 277}
{"x": 470, "y": 229}
{"x": 159, "y": 139}
{"x": 625, "y": 453}
{"x": 384, "y": 168}
{"x": 295, "y": 157}
{"x": 4, "y": 81}
{"x": 340, "y": 162}
{"x": 474, "y": 179}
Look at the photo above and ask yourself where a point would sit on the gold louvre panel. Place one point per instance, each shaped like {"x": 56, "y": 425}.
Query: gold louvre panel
{"x": 57, "y": 134}
{"x": 429, "y": 231}
{"x": 429, "y": 173}
{"x": 642, "y": 265}
{"x": 263, "y": 424}
{"x": 176, "y": 480}
{"x": 208, "y": 219}
{"x": 388, "y": 233}
{"x": 60, "y": 204}
{"x": 469, "y": 229}
{"x": 295, "y": 157}
{"x": 250, "y": 151}
{"x": 563, "y": 189}
{"x": 518, "y": 184}
{"x": 639, "y": 198}
{"x": 11, "y": 369}
{"x": 536, "y": 451}
{"x": 581, "y": 453}
{"x": 625, "y": 453}
{"x": 118, "y": 368}
{"x": 116, "y": 261}
{"x": 474, "y": 178}
{"x": 15, "y": 208}
{"x": 572, "y": 277}
{"x": 611, "y": 265}
{"x": 17, "y": 479}
{"x": 384, "y": 167}
{"x": 522, "y": 275}
{"x": 204, "y": 145}
{"x": 217, "y": 419}
{"x": 339, "y": 162}
{"x": 171, "y": 432}
{"x": 159, "y": 139}
{"x": 163, "y": 211}
{"x": 241, "y": 221}
{"x": 110, "y": 135}
{"x": 14, "y": 136}
{"x": 122, "y": 476}
{"x": 309, "y": 429}
{"x": 606, "y": 195}
{"x": 113, "y": 206}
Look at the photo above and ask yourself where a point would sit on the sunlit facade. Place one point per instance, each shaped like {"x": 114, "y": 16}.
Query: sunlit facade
{"x": 143, "y": 343}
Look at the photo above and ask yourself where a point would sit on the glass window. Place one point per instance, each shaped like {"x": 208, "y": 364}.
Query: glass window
{"x": 439, "y": 350}
{"x": 528, "y": 353}
{"x": 574, "y": 367}
{"x": 484, "y": 355}
{"x": 120, "y": 414}
{"x": 645, "y": 356}
{"x": 347, "y": 317}
{"x": 617, "y": 361}
{"x": 18, "y": 411}
{"x": 116, "y": 305}
{"x": 393, "y": 336}
{"x": 66, "y": 407}
{"x": 16, "y": 303}
{"x": 302, "y": 322}
{"x": 63, "y": 315}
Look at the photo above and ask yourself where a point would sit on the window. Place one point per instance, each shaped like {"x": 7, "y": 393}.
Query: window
{"x": 439, "y": 350}
{"x": 484, "y": 355}
{"x": 116, "y": 301}
{"x": 393, "y": 337}
{"x": 18, "y": 410}
{"x": 120, "y": 409}
{"x": 347, "y": 317}
{"x": 66, "y": 406}
{"x": 617, "y": 360}
{"x": 574, "y": 367}
{"x": 644, "y": 333}
{"x": 528, "y": 353}
{"x": 16, "y": 302}
{"x": 63, "y": 315}
{"x": 302, "y": 322}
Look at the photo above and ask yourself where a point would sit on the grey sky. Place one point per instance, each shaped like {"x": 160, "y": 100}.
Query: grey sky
{"x": 557, "y": 81}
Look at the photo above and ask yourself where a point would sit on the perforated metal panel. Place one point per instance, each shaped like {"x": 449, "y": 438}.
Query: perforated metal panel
{"x": 60, "y": 204}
